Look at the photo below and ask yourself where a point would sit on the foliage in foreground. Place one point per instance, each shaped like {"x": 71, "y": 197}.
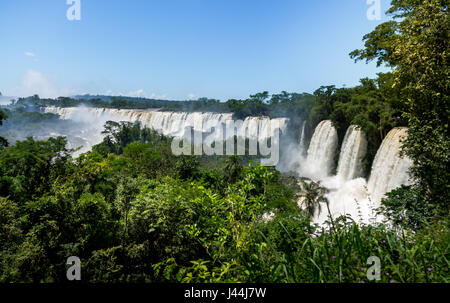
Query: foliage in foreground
{"x": 135, "y": 213}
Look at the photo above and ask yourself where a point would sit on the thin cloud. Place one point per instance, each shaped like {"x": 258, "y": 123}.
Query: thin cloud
{"x": 30, "y": 54}
{"x": 140, "y": 93}
{"x": 37, "y": 83}
{"x": 155, "y": 96}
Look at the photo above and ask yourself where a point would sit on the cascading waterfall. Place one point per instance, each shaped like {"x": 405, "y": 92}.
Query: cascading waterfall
{"x": 346, "y": 189}
{"x": 348, "y": 193}
{"x": 349, "y": 198}
{"x": 168, "y": 123}
{"x": 353, "y": 150}
{"x": 302, "y": 140}
{"x": 319, "y": 161}
{"x": 389, "y": 169}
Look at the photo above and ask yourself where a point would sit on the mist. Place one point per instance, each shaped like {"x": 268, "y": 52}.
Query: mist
{"x": 23, "y": 122}
{"x": 4, "y": 100}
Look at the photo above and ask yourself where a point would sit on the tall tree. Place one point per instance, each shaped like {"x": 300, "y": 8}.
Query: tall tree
{"x": 28, "y": 168}
{"x": 312, "y": 195}
{"x": 3, "y": 116}
{"x": 416, "y": 44}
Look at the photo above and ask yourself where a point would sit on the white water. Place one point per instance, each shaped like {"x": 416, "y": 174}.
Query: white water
{"x": 353, "y": 150}
{"x": 166, "y": 123}
{"x": 389, "y": 169}
{"x": 173, "y": 124}
{"x": 319, "y": 160}
{"x": 347, "y": 198}
{"x": 349, "y": 194}
{"x": 302, "y": 140}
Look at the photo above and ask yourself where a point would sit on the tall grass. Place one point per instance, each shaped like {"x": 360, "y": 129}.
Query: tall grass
{"x": 339, "y": 253}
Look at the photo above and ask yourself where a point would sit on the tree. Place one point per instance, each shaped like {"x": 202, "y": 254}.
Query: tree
{"x": 118, "y": 135}
{"x": 144, "y": 158}
{"x": 261, "y": 97}
{"x": 233, "y": 168}
{"x": 284, "y": 97}
{"x": 187, "y": 167}
{"x": 312, "y": 194}
{"x": 127, "y": 190}
{"x": 28, "y": 168}
{"x": 405, "y": 208}
{"x": 3, "y": 116}
{"x": 416, "y": 44}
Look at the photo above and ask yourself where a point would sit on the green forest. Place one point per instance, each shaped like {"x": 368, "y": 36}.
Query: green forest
{"x": 134, "y": 212}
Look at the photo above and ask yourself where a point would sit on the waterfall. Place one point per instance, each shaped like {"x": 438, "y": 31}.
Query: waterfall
{"x": 302, "y": 140}
{"x": 355, "y": 197}
{"x": 320, "y": 157}
{"x": 353, "y": 150}
{"x": 389, "y": 169}
{"x": 172, "y": 124}
{"x": 350, "y": 198}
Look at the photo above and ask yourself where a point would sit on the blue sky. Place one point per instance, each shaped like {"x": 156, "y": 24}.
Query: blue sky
{"x": 181, "y": 49}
